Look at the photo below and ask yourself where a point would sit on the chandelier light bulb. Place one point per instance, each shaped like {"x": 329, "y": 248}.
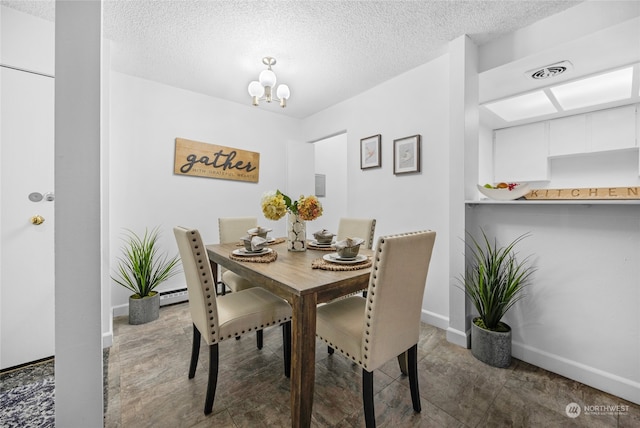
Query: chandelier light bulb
{"x": 267, "y": 78}
{"x": 283, "y": 92}
{"x": 256, "y": 89}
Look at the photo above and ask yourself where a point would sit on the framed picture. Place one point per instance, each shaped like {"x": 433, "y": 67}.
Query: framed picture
{"x": 370, "y": 152}
{"x": 406, "y": 155}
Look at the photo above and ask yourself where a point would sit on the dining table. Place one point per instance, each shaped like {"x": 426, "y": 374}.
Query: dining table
{"x": 304, "y": 279}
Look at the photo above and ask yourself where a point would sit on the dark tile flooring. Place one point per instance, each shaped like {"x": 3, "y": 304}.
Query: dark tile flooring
{"x": 148, "y": 386}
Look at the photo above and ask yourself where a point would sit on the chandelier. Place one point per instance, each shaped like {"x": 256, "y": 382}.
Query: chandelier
{"x": 261, "y": 89}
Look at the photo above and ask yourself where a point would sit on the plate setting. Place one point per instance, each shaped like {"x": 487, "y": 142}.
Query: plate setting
{"x": 317, "y": 244}
{"x": 334, "y": 258}
{"x": 244, "y": 252}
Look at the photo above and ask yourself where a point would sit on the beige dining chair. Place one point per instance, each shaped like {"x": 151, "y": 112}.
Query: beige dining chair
{"x": 216, "y": 318}
{"x": 232, "y": 229}
{"x": 363, "y": 228}
{"x": 357, "y": 228}
{"x": 384, "y": 325}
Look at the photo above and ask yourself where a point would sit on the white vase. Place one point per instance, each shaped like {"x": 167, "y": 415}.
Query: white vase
{"x": 296, "y": 233}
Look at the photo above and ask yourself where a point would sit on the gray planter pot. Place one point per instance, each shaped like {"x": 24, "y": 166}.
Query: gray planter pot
{"x": 144, "y": 310}
{"x": 491, "y": 347}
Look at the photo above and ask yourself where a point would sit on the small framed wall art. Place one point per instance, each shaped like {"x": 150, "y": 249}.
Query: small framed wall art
{"x": 406, "y": 155}
{"x": 370, "y": 152}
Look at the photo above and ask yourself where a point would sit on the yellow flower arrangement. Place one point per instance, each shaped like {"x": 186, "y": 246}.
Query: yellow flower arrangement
{"x": 276, "y": 204}
{"x": 273, "y": 205}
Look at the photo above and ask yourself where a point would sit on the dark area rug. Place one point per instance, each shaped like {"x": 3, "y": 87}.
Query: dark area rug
{"x": 27, "y": 395}
{"x": 29, "y": 405}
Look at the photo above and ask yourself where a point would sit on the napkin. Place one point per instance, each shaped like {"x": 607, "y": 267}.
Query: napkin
{"x": 257, "y": 243}
{"x": 349, "y": 242}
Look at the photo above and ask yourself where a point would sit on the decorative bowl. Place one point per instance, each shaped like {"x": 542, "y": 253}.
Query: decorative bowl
{"x": 516, "y": 192}
{"x": 324, "y": 236}
{"x": 349, "y": 248}
{"x": 259, "y": 231}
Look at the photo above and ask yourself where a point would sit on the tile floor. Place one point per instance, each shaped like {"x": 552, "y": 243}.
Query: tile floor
{"x": 148, "y": 386}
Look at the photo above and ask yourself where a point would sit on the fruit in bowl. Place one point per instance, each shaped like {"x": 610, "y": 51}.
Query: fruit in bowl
{"x": 504, "y": 191}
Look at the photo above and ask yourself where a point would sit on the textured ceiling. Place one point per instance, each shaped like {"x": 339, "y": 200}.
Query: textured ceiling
{"x": 327, "y": 51}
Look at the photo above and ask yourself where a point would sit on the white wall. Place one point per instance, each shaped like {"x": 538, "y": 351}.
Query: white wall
{"x": 415, "y": 102}
{"x": 27, "y": 42}
{"x": 146, "y": 117}
{"x": 331, "y": 160}
{"x": 78, "y": 398}
{"x": 580, "y": 317}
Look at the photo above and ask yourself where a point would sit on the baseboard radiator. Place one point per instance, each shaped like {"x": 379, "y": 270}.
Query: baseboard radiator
{"x": 170, "y": 297}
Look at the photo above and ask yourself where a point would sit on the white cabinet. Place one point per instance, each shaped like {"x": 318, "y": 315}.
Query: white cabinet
{"x": 599, "y": 131}
{"x": 613, "y": 129}
{"x": 520, "y": 153}
{"x": 568, "y": 135}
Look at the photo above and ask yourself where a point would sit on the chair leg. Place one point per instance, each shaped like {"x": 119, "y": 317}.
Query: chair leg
{"x": 330, "y": 350}
{"x": 213, "y": 378}
{"x": 402, "y": 362}
{"x": 259, "y": 337}
{"x": 286, "y": 344}
{"x": 412, "y": 360}
{"x": 367, "y": 399}
{"x": 223, "y": 288}
{"x": 195, "y": 351}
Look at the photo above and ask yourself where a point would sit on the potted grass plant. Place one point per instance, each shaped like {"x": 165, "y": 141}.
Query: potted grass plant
{"x": 494, "y": 281}
{"x": 141, "y": 268}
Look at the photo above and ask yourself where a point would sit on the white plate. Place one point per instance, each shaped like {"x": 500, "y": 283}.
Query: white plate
{"x": 317, "y": 244}
{"x": 244, "y": 252}
{"x": 333, "y": 258}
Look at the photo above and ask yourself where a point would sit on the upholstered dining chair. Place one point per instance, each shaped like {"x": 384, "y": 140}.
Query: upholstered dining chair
{"x": 232, "y": 229}
{"x": 374, "y": 329}
{"x": 216, "y": 318}
{"x": 357, "y": 228}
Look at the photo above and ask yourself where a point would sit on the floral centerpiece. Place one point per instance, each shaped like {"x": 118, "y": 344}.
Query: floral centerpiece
{"x": 306, "y": 208}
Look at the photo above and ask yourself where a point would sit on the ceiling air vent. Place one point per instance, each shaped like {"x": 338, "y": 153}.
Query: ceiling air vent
{"x": 550, "y": 70}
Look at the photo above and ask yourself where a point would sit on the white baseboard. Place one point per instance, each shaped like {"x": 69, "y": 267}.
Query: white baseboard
{"x": 454, "y": 336}
{"x": 120, "y": 310}
{"x": 458, "y": 337}
{"x": 434, "y": 319}
{"x": 599, "y": 379}
{"x": 107, "y": 339}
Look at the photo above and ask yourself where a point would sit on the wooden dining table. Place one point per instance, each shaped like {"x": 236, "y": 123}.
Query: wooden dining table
{"x": 292, "y": 277}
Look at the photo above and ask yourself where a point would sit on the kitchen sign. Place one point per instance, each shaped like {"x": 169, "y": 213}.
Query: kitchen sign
{"x": 212, "y": 161}
{"x": 585, "y": 193}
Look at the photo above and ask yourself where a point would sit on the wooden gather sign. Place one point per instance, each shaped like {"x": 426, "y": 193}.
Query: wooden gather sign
{"x": 208, "y": 160}
{"x": 586, "y": 193}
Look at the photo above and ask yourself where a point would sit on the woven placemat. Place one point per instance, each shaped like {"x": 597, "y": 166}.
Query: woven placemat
{"x": 325, "y": 265}
{"x": 265, "y": 258}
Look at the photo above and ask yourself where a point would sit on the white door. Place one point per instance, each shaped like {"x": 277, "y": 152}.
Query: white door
{"x": 26, "y": 250}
